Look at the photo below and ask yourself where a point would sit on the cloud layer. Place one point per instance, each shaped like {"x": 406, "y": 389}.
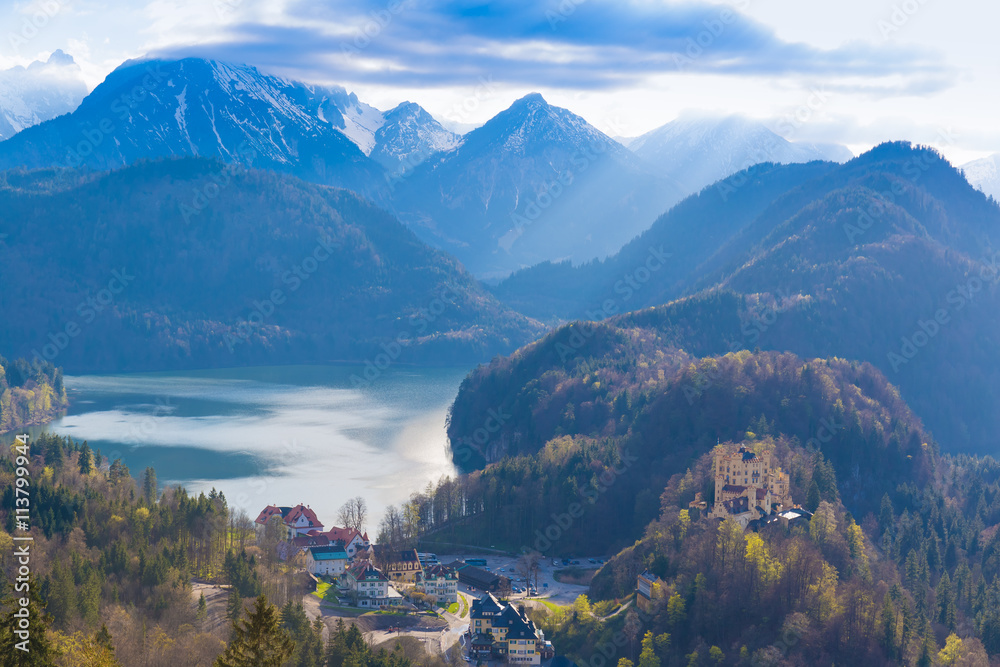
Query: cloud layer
{"x": 576, "y": 44}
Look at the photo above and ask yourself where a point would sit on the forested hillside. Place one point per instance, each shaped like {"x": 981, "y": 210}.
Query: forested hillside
{"x": 890, "y": 258}
{"x": 113, "y": 561}
{"x": 191, "y": 263}
{"x": 29, "y": 394}
{"x": 900, "y": 555}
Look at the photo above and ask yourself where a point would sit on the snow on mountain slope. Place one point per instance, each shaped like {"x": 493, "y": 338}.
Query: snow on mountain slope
{"x": 535, "y": 183}
{"x": 984, "y": 174}
{"x": 151, "y": 109}
{"x": 41, "y": 91}
{"x": 409, "y": 136}
{"x": 699, "y": 151}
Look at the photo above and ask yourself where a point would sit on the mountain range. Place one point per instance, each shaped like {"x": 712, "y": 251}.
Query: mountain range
{"x": 39, "y": 92}
{"x": 889, "y": 258}
{"x": 192, "y": 263}
{"x": 535, "y": 183}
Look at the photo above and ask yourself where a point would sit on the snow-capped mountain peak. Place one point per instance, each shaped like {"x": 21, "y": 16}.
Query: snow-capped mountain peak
{"x": 984, "y": 174}
{"x": 408, "y": 136}
{"x": 39, "y": 92}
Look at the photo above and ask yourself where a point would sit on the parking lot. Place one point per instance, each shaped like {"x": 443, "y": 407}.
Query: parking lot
{"x": 548, "y": 587}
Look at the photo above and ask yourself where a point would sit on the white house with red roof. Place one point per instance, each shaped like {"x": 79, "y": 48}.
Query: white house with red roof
{"x": 355, "y": 543}
{"x": 368, "y": 586}
{"x": 298, "y": 520}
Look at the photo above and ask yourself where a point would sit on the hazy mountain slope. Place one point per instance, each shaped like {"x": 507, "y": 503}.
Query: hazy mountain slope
{"x": 984, "y": 174}
{"x": 690, "y": 233}
{"x": 534, "y": 183}
{"x": 698, "y": 151}
{"x": 835, "y": 267}
{"x": 39, "y": 92}
{"x": 187, "y": 263}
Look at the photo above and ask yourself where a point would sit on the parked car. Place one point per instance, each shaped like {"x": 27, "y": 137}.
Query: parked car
{"x": 576, "y": 562}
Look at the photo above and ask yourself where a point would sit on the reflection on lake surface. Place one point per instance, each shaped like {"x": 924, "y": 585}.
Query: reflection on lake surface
{"x": 276, "y": 435}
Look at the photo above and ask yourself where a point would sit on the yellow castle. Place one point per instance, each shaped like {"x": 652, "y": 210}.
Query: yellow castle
{"x": 748, "y": 485}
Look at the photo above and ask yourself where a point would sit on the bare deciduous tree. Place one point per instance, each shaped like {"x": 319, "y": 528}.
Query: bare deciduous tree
{"x": 354, "y": 514}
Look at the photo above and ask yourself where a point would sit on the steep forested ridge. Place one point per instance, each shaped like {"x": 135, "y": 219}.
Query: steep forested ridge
{"x": 891, "y": 258}
{"x": 192, "y": 263}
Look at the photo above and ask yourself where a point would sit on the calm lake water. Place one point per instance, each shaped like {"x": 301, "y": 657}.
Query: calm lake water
{"x": 277, "y": 435}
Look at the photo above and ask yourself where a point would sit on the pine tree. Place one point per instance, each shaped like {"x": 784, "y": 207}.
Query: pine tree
{"x": 86, "y": 459}
{"x": 40, "y": 652}
{"x": 258, "y": 641}
{"x": 886, "y": 516}
{"x": 812, "y": 497}
{"x": 234, "y": 607}
{"x": 202, "y": 613}
{"x": 149, "y": 488}
{"x": 103, "y": 638}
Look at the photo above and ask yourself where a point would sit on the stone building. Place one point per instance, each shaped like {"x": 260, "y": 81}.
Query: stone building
{"x": 748, "y": 485}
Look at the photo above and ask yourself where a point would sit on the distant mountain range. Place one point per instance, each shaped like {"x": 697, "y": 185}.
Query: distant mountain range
{"x": 698, "y": 151}
{"x": 190, "y": 263}
{"x": 535, "y": 183}
{"x": 39, "y": 92}
{"x": 890, "y": 258}
{"x": 984, "y": 174}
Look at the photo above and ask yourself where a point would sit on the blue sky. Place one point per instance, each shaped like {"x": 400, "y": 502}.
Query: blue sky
{"x": 854, "y": 71}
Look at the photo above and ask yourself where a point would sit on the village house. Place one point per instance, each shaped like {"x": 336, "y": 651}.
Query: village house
{"x": 328, "y": 561}
{"x": 401, "y": 566}
{"x": 748, "y": 486}
{"x": 501, "y": 631}
{"x": 288, "y": 549}
{"x": 368, "y": 586}
{"x": 355, "y": 544}
{"x": 441, "y": 582}
{"x": 298, "y": 520}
